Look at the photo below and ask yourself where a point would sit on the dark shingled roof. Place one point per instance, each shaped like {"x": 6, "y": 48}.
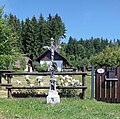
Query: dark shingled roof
{"x": 55, "y": 58}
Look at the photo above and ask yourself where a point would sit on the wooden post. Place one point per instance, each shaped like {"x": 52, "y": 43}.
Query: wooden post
{"x": 0, "y": 79}
{"x": 9, "y": 93}
{"x": 113, "y": 91}
{"x": 97, "y": 85}
{"x": 83, "y": 83}
{"x": 118, "y": 85}
{"x": 92, "y": 83}
{"x": 102, "y": 87}
{"x": 9, "y": 89}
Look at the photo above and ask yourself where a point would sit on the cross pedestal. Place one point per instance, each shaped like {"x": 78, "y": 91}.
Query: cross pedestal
{"x": 53, "y": 97}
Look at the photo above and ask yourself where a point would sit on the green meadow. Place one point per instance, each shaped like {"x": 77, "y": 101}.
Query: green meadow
{"x": 69, "y": 108}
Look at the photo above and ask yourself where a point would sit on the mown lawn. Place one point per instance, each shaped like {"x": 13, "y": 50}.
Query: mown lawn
{"x": 69, "y": 108}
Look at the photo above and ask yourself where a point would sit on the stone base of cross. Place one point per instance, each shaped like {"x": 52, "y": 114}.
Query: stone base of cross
{"x": 53, "y": 97}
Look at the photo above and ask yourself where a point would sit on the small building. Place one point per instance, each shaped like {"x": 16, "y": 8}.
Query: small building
{"x": 28, "y": 63}
{"x": 59, "y": 59}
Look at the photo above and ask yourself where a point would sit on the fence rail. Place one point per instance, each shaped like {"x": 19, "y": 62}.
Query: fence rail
{"x": 47, "y": 73}
{"x": 83, "y": 87}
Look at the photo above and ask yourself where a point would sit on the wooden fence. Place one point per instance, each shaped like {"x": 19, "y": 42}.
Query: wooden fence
{"x": 83, "y": 87}
{"x": 107, "y": 85}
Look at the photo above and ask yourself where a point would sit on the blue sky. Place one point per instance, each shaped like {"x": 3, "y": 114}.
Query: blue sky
{"x": 82, "y": 18}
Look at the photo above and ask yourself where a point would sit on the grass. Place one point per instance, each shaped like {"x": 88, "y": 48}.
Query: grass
{"x": 69, "y": 108}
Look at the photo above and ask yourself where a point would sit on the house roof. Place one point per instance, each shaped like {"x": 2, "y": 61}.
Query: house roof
{"x": 57, "y": 56}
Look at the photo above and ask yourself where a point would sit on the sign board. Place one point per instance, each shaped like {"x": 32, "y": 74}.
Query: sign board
{"x": 100, "y": 71}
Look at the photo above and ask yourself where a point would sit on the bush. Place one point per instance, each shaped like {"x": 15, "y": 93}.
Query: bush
{"x": 8, "y": 62}
{"x": 40, "y": 68}
{"x": 67, "y": 81}
{"x": 108, "y": 57}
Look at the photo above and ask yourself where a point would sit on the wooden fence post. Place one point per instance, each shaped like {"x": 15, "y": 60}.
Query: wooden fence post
{"x": 118, "y": 84}
{"x": 83, "y": 83}
{"x": 92, "y": 83}
{"x": 9, "y": 89}
{"x": 0, "y": 78}
{"x": 97, "y": 85}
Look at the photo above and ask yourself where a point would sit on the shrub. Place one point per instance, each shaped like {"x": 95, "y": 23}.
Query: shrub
{"x": 40, "y": 67}
{"x": 67, "y": 81}
{"x": 108, "y": 57}
{"x": 8, "y": 62}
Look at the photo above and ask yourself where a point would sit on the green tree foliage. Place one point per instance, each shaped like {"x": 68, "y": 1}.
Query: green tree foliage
{"x": 8, "y": 39}
{"x": 63, "y": 49}
{"x": 9, "y": 51}
{"x": 43, "y": 33}
{"x": 30, "y": 37}
{"x": 26, "y": 35}
{"x": 71, "y": 48}
{"x": 56, "y": 28}
{"x": 32, "y": 34}
{"x": 16, "y": 28}
{"x": 13, "y": 62}
{"x": 78, "y": 52}
{"x": 108, "y": 57}
{"x": 40, "y": 67}
{"x": 1, "y": 11}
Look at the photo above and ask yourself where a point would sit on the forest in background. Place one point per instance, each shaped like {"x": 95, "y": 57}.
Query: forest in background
{"x": 30, "y": 35}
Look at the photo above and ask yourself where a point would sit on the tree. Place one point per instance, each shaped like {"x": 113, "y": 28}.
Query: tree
{"x": 30, "y": 37}
{"x": 97, "y": 45}
{"x": 37, "y": 33}
{"x": 16, "y": 27}
{"x": 8, "y": 39}
{"x": 63, "y": 49}
{"x": 108, "y": 57}
{"x": 80, "y": 51}
{"x": 9, "y": 52}
{"x": 1, "y": 11}
{"x": 71, "y": 46}
{"x": 26, "y": 34}
{"x": 56, "y": 28}
{"x": 34, "y": 47}
{"x": 9, "y": 61}
{"x": 43, "y": 33}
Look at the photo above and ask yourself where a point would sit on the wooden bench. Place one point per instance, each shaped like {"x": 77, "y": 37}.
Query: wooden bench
{"x": 83, "y": 87}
